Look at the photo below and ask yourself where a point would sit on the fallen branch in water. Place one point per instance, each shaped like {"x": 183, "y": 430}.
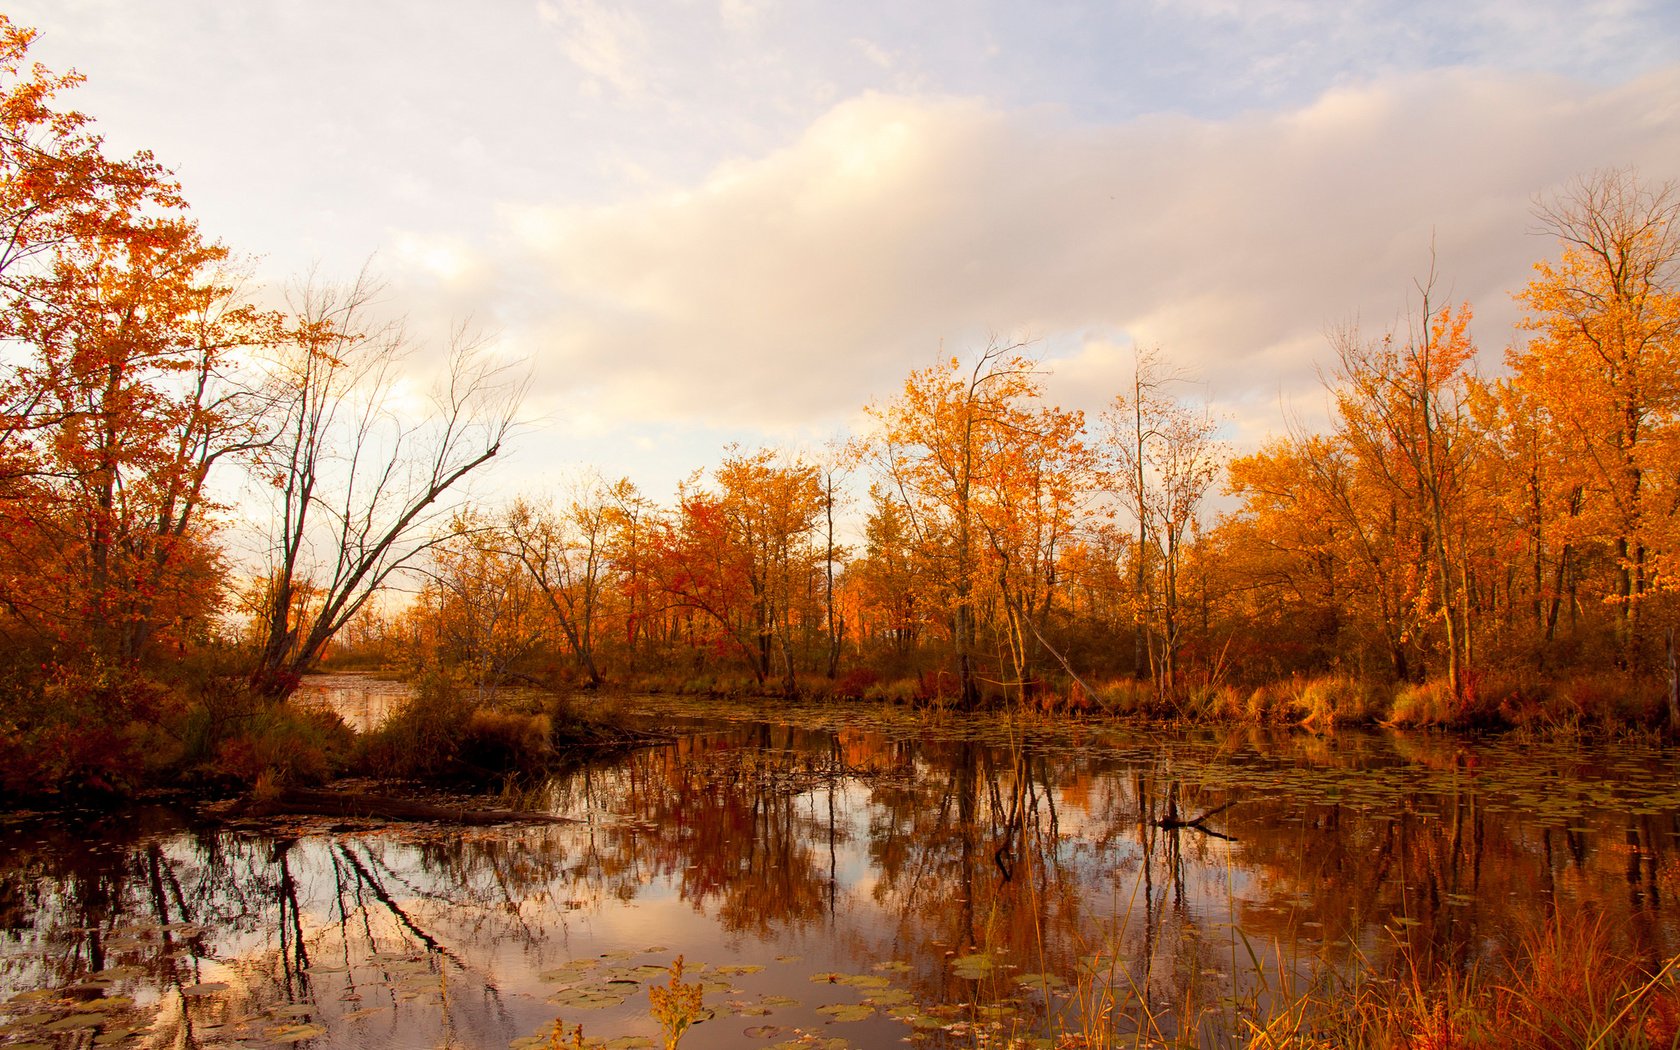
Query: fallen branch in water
{"x": 389, "y": 807}
{"x": 1172, "y": 823}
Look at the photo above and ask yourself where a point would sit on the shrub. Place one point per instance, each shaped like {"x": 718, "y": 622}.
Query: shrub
{"x": 855, "y": 684}
{"x": 420, "y": 737}
{"x": 1429, "y": 703}
{"x": 83, "y": 730}
{"x": 1267, "y": 702}
{"x": 494, "y": 742}
{"x": 1128, "y": 696}
{"x": 904, "y": 691}
{"x": 444, "y": 731}
{"x": 284, "y": 745}
{"x": 1330, "y": 700}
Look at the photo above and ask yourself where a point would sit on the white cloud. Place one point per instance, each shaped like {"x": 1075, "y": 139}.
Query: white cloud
{"x": 603, "y": 41}
{"x": 787, "y": 289}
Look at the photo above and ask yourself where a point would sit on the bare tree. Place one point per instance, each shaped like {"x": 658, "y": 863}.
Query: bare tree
{"x": 359, "y": 482}
{"x": 1164, "y": 458}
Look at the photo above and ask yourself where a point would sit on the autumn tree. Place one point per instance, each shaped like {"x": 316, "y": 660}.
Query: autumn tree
{"x": 1536, "y": 496}
{"x": 888, "y": 579}
{"x": 988, "y": 477}
{"x": 126, "y": 334}
{"x": 743, "y": 554}
{"x": 487, "y": 617}
{"x": 1290, "y": 547}
{"x": 139, "y": 347}
{"x": 1603, "y": 365}
{"x": 629, "y": 519}
{"x": 1402, "y": 411}
{"x": 58, "y": 186}
{"x": 565, "y": 552}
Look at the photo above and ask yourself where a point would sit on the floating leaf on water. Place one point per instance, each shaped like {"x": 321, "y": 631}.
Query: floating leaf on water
{"x": 826, "y": 977}
{"x": 973, "y": 967}
{"x": 297, "y": 1033}
{"x": 107, "y": 1003}
{"x": 1040, "y": 982}
{"x": 868, "y": 981}
{"x": 764, "y": 1031}
{"x": 847, "y": 1011}
{"x": 588, "y": 998}
{"x": 894, "y": 966}
{"x": 778, "y": 1002}
{"x": 739, "y": 969}
{"x": 74, "y": 1021}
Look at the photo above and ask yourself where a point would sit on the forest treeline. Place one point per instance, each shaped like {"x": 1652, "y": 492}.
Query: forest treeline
{"x": 1454, "y": 548}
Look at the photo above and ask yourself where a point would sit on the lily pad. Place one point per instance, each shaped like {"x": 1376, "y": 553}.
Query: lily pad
{"x": 973, "y": 967}
{"x": 847, "y": 1011}
{"x": 297, "y": 1033}
{"x": 1040, "y": 982}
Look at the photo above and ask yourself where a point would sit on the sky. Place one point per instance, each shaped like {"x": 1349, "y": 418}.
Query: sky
{"x": 744, "y": 220}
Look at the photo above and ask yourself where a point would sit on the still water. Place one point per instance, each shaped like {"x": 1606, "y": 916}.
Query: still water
{"x": 841, "y": 879}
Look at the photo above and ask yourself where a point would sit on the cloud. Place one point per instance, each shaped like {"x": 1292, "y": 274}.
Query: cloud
{"x": 604, "y": 41}
{"x": 786, "y": 290}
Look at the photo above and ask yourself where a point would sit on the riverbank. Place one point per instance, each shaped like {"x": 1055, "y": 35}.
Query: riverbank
{"x": 214, "y": 735}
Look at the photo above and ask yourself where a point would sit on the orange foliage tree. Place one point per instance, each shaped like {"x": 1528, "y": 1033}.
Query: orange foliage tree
{"x": 992, "y": 482}
{"x": 130, "y": 382}
{"x": 1602, "y": 369}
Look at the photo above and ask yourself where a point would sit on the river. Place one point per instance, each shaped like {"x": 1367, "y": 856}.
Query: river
{"x": 838, "y": 877}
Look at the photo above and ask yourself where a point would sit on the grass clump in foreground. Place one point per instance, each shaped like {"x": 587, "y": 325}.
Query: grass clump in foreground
{"x": 1564, "y": 987}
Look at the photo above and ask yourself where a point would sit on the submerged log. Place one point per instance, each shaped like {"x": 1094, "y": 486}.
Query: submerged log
{"x": 294, "y": 801}
{"x": 1171, "y": 822}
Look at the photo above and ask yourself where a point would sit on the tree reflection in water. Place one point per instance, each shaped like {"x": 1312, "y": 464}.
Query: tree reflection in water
{"x": 956, "y": 862}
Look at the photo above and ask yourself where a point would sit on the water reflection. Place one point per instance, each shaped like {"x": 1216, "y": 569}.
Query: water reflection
{"x": 892, "y": 883}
